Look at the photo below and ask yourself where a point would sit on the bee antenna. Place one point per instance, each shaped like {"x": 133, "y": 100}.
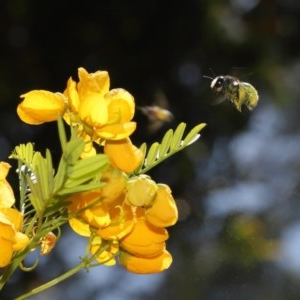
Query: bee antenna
{"x": 204, "y": 76}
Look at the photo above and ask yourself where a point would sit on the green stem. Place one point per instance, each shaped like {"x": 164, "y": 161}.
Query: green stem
{"x": 53, "y": 282}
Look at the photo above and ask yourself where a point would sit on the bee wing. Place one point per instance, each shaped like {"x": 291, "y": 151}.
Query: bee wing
{"x": 218, "y": 100}
{"x": 160, "y": 99}
{"x": 154, "y": 126}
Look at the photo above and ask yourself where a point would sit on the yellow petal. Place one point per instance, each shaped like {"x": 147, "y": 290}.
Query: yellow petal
{"x": 115, "y": 185}
{"x": 97, "y": 216}
{"x": 4, "y": 168}
{"x": 164, "y": 211}
{"x": 13, "y": 216}
{"x": 121, "y": 105}
{"x": 116, "y": 131}
{"x": 141, "y": 191}
{"x": 106, "y": 257}
{"x": 116, "y": 231}
{"x": 80, "y": 227}
{"x": 72, "y": 95}
{"x": 122, "y": 222}
{"x": 88, "y": 151}
{"x": 20, "y": 241}
{"x": 40, "y": 106}
{"x": 141, "y": 265}
{"x": 6, "y": 252}
{"x": 7, "y": 230}
{"x": 93, "y": 110}
{"x": 123, "y": 155}
{"x": 97, "y": 82}
{"x": 145, "y": 240}
{"x": 81, "y": 200}
{"x": 7, "y": 198}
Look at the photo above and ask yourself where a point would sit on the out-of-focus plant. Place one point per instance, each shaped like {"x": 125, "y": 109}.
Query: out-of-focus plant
{"x": 99, "y": 187}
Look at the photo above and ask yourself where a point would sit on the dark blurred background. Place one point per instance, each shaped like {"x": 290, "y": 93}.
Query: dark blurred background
{"x": 237, "y": 188}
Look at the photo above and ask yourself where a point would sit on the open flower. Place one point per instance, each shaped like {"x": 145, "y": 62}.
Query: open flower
{"x": 98, "y": 112}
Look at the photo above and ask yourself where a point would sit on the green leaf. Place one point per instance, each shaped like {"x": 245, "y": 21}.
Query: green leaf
{"x": 171, "y": 144}
{"x": 193, "y": 135}
{"x": 88, "y": 167}
{"x": 73, "y": 150}
{"x": 165, "y": 143}
{"x": 23, "y": 153}
{"x": 176, "y": 141}
{"x": 81, "y": 188}
{"x": 152, "y": 154}
{"x": 61, "y": 175}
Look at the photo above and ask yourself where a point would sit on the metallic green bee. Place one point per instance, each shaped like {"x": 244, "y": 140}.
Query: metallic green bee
{"x": 237, "y": 92}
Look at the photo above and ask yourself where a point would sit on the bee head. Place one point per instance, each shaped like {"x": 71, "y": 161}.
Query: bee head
{"x": 217, "y": 84}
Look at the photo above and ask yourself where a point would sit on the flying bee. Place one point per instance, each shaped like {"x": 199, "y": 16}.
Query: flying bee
{"x": 237, "y": 92}
{"x": 157, "y": 114}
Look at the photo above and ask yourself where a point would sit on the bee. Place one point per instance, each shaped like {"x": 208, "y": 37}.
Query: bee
{"x": 158, "y": 114}
{"x": 237, "y": 92}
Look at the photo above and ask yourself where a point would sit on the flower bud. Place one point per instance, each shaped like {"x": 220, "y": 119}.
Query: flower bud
{"x": 141, "y": 191}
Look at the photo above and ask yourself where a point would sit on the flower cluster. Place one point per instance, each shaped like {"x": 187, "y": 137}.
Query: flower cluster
{"x": 101, "y": 116}
{"x": 129, "y": 220}
{"x": 128, "y": 215}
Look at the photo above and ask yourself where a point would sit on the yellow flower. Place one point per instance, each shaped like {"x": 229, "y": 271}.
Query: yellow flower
{"x": 142, "y": 265}
{"x": 110, "y": 216}
{"x": 98, "y": 112}
{"x": 11, "y": 239}
{"x": 123, "y": 154}
{"x": 41, "y": 106}
{"x": 163, "y": 212}
{"x": 7, "y": 198}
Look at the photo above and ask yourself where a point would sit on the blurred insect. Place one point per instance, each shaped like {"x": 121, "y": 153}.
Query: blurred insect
{"x": 157, "y": 114}
{"x": 237, "y": 92}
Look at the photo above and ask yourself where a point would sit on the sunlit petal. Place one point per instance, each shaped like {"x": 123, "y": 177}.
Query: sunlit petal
{"x": 81, "y": 228}
{"x": 40, "y": 106}
{"x": 72, "y": 95}
{"x": 20, "y": 241}
{"x": 93, "y": 110}
{"x": 142, "y": 265}
{"x": 145, "y": 240}
{"x": 97, "y": 82}
{"x": 116, "y": 131}
{"x": 121, "y": 105}
{"x": 123, "y": 155}
{"x": 7, "y": 198}
{"x": 164, "y": 211}
{"x": 6, "y": 252}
